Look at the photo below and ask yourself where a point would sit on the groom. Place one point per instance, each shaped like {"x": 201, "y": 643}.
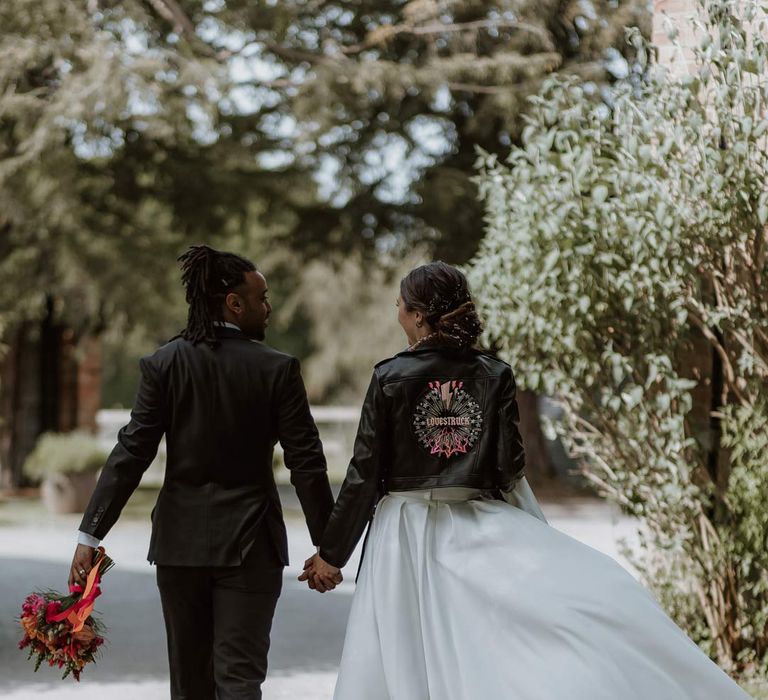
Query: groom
{"x": 218, "y": 536}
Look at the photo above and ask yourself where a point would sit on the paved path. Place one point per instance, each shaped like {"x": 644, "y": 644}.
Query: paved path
{"x": 306, "y": 644}
{"x": 35, "y": 552}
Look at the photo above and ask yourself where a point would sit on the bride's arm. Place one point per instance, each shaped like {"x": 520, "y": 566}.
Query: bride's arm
{"x": 359, "y": 492}
{"x": 511, "y": 454}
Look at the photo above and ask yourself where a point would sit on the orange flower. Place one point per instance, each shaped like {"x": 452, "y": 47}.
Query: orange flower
{"x": 29, "y": 624}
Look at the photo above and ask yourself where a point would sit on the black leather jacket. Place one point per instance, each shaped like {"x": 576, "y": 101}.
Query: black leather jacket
{"x": 432, "y": 417}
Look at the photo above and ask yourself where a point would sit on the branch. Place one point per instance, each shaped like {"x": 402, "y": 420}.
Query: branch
{"x": 171, "y": 11}
{"x": 593, "y": 456}
{"x": 720, "y": 296}
{"x": 762, "y": 335}
{"x": 607, "y": 488}
{"x": 469, "y": 87}
{"x": 273, "y": 84}
{"x": 384, "y": 33}
{"x": 300, "y": 56}
{"x": 744, "y": 342}
{"x": 617, "y": 441}
{"x": 712, "y": 338}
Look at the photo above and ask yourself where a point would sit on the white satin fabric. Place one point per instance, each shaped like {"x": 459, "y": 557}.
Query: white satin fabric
{"x": 522, "y": 497}
{"x": 466, "y": 598}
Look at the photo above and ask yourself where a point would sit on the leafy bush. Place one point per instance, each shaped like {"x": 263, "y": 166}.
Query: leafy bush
{"x": 625, "y": 271}
{"x": 64, "y": 453}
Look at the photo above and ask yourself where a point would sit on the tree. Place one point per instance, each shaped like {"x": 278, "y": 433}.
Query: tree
{"x": 384, "y": 102}
{"x": 102, "y": 182}
{"x": 354, "y": 326}
{"x": 128, "y": 130}
{"x": 391, "y": 99}
{"x": 620, "y": 243}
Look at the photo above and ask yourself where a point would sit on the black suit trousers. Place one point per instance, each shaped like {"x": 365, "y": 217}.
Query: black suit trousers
{"x": 218, "y": 621}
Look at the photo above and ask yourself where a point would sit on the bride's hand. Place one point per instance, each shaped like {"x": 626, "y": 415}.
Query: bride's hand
{"x": 320, "y": 575}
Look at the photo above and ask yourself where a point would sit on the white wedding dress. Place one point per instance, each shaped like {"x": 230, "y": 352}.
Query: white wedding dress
{"x": 465, "y": 598}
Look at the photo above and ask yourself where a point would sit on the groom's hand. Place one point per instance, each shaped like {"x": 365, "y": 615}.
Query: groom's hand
{"x": 320, "y": 575}
{"x": 308, "y": 572}
{"x": 82, "y": 563}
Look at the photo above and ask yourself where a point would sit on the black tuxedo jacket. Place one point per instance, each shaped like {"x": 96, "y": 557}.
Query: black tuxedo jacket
{"x": 222, "y": 411}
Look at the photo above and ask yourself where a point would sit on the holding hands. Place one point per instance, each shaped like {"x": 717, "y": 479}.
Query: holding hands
{"x": 320, "y": 575}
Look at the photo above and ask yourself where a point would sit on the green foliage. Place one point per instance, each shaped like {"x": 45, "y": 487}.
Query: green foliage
{"x": 393, "y": 97}
{"x": 746, "y": 436}
{"x": 64, "y": 453}
{"x": 353, "y": 322}
{"x": 129, "y": 130}
{"x": 736, "y": 560}
{"x": 79, "y": 215}
{"x": 625, "y": 256}
{"x": 757, "y": 691}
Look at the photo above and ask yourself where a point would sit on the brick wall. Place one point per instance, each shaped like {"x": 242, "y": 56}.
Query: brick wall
{"x": 678, "y": 14}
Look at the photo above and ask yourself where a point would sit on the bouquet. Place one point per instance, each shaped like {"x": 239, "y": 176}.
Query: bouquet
{"x": 60, "y": 629}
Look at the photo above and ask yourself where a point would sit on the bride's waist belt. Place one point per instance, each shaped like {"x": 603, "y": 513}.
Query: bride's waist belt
{"x": 446, "y": 494}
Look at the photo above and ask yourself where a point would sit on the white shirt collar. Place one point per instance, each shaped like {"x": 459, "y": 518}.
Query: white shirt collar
{"x": 226, "y": 324}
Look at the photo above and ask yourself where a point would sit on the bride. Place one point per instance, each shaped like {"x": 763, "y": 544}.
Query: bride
{"x": 461, "y": 595}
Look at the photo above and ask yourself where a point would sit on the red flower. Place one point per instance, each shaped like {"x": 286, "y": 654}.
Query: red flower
{"x": 32, "y": 604}
{"x": 53, "y": 608}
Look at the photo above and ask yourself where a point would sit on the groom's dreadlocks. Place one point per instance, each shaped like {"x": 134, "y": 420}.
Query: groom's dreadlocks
{"x": 208, "y": 275}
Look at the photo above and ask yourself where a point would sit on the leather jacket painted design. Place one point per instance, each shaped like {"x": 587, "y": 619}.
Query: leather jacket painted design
{"x": 447, "y": 420}
{"x": 432, "y": 417}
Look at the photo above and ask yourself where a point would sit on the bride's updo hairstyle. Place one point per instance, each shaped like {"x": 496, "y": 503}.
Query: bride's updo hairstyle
{"x": 441, "y": 293}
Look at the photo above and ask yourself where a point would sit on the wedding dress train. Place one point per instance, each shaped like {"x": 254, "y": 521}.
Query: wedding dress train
{"x": 461, "y": 597}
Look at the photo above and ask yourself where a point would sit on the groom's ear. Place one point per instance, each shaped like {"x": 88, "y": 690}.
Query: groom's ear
{"x": 234, "y": 302}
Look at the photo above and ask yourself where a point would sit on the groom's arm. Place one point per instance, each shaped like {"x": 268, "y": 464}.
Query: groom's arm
{"x": 303, "y": 451}
{"x": 136, "y": 447}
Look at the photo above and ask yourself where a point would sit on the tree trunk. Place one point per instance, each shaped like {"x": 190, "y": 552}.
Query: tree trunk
{"x": 49, "y": 381}
{"x": 718, "y": 459}
{"x": 705, "y": 365}
{"x": 20, "y": 406}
